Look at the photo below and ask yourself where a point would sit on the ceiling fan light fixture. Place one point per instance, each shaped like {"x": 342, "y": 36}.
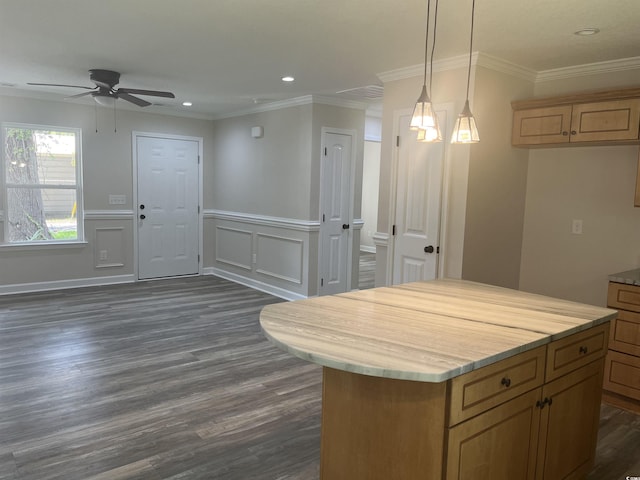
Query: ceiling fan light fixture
{"x": 104, "y": 100}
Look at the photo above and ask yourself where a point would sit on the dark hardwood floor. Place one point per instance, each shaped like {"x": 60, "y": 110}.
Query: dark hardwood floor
{"x": 173, "y": 379}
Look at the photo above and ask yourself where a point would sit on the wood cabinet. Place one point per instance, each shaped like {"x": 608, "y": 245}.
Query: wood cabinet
{"x": 531, "y": 416}
{"x": 622, "y": 366}
{"x": 549, "y": 432}
{"x": 609, "y": 117}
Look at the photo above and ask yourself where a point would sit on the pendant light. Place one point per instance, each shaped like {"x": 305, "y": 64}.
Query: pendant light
{"x": 465, "y": 129}
{"x": 424, "y": 119}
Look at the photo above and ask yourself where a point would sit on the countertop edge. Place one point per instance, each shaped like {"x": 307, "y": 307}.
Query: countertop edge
{"x": 431, "y": 377}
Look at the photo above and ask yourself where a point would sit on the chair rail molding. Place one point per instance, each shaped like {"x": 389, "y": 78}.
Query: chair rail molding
{"x": 263, "y": 220}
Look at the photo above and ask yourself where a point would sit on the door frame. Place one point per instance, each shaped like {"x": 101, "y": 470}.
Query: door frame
{"x": 444, "y": 189}
{"x": 352, "y": 183}
{"x": 134, "y": 155}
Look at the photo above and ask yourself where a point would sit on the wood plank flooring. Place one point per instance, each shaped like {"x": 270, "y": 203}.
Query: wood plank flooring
{"x": 173, "y": 379}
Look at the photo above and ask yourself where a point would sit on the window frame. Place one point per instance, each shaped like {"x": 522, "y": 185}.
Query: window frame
{"x": 78, "y": 187}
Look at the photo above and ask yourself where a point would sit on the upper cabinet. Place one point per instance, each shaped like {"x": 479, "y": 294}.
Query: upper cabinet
{"x": 600, "y": 118}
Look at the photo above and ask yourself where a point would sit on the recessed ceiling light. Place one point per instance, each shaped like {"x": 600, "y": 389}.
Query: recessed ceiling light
{"x": 187, "y": 104}
{"x": 288, "y": 78}
{"x": 585, "y": 32}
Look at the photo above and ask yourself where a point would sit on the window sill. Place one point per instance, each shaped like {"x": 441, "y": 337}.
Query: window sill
{"x": 43, "y": 245}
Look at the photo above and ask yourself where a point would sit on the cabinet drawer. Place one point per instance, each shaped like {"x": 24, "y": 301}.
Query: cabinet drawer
{"x": 622, "y": 374}
{"x": 575, "y": 351}
{"x": 624, "y": 296}
{"x": 624, "y": 335}
{"x": 482, "y": 389}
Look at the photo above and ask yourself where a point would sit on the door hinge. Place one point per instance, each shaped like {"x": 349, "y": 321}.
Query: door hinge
{"x": 198, "y": 208}
{"x": 325, "y": 151}
{"x": 198, "y": 159}
{"x": 393, "y": 230}
{"x": 322, "y": 282}
{"x": 198, "y": 258}
{"x": 323, "y": 218}
{"x": 398, "y": 141}
{"x": 438, "y": 249}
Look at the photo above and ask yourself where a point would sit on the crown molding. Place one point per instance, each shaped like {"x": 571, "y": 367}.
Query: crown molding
{"x": 609, "y": 66}
{"x": 294, "y": 102}
{"x": 461, "y": 61}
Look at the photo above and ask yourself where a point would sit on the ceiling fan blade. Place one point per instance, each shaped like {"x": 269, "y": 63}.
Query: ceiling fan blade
{"x": 58, "y": 85}
{"x": 130, "y": 98}
{"x": 78, "y": 95}
{"x": 152, "y": 93}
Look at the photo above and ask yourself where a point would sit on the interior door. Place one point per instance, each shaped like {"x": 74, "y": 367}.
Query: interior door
{"x": 418, "y": 199}
{"x": 168, "y": 193}
{"x": 335, "y": 201}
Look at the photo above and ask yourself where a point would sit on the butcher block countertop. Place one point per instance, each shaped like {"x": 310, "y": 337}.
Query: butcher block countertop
{"x": 423, "y": 331}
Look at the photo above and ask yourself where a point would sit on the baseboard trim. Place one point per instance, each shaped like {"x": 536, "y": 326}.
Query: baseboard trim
{"x": 65, "y": 284}
{"x": 249, "y": 282}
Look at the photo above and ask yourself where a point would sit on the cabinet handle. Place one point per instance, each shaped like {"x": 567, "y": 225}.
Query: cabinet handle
{"x": 565, "y": 133}
{"x": 573, "y": 132}
{"x": 506, "y": 381}
{"x": 584, "y": 350}
{"x": 545, "y": 401}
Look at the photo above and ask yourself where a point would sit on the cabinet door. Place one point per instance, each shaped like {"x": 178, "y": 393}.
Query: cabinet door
{"x": 606, "y": 121}
{"x": 540, "y": 126}
{"x": 499, "y": 444}
{"x": 569, "y": 424}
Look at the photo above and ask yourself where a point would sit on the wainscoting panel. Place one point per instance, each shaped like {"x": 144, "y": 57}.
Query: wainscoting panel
{"x": 280, "y": 257}
{"x": 234, "y": 247}
{"x": 109, "y": 249}
{"x": 271, "y": 254}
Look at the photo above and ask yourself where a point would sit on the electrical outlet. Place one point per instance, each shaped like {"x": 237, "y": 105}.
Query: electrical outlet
{"x": 103, "y": 255}
{"x": 576, "y": 227}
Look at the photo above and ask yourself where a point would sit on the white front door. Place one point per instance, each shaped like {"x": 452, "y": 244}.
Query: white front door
{"x": 417, "y": 215}
{"x": 335, "y": 229}
{"x": 167, "y": 210}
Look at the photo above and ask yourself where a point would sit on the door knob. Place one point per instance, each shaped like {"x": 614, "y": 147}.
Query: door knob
{"x": 428, "y": 249}
{"x": 345, "y": 226}
{"x": 143, "y": 216}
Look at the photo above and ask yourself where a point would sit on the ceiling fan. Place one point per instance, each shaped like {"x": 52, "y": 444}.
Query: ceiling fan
{"x": 104, "y": 93}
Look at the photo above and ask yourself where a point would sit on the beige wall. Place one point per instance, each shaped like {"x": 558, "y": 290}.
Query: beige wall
{"x": 592, "y": 184}
{"x": 264, "y": 176}
{"x": 497, "y": 184}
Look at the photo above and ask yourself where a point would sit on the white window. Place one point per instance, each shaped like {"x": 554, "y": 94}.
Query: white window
{"x": 42, "y": 184}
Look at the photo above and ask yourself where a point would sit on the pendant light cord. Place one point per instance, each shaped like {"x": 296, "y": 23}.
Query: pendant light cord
{"x": 426, "y": 47}
{"x": 473, "y": 8}
{"x": 433, "y": 48}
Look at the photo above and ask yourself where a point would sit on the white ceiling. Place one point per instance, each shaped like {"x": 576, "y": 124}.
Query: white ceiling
{"x": 223, "y": 54}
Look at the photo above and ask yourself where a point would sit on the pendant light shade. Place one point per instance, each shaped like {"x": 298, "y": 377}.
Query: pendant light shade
{"x": 423, "y": 114}
{"x": 466, "y": 130}
{"x": 424, "y": 119}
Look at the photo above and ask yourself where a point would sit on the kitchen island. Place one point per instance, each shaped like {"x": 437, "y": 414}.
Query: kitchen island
{"x": 450, "y": 379}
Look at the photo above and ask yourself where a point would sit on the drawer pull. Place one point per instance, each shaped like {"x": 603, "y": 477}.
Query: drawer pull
{"x": 584, "y": 350}
{"x": 506, "y": 381}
